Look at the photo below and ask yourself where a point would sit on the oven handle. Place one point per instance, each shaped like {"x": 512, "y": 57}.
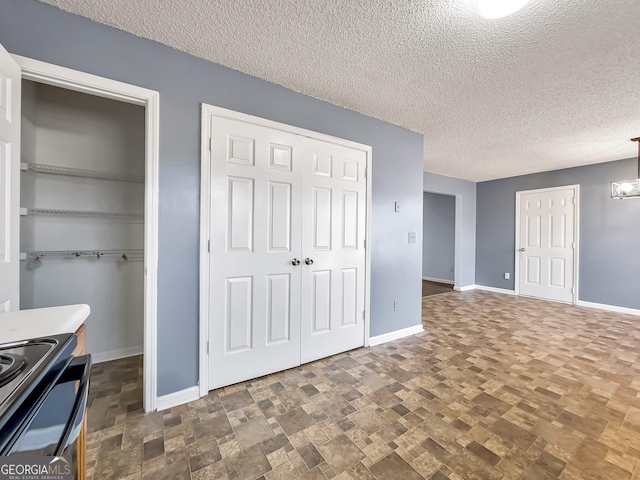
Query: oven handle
{"x": 78, "y": 370}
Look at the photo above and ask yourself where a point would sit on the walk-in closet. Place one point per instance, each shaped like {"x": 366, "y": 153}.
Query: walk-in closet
{"x": 82, "y": 212}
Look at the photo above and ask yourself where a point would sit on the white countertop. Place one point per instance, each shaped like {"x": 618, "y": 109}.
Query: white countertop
{"x": 41, "y": 322}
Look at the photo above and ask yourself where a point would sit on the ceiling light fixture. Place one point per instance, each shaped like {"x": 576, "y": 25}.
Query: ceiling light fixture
{"x": 499, "y": 8}
{"x": 628, "y": 188}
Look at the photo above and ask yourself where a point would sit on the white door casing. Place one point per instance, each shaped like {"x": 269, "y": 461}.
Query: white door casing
{"x": 546, "y": 243}
{"x": 10, "y": 87}
{"x": 276, "y": 193}
{"x": 63, "y": 77}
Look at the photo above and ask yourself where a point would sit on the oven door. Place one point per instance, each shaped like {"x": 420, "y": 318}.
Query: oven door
{"x": 54, "y": 425}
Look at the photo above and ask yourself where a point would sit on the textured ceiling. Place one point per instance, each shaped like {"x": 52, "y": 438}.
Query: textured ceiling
{"x": 555, "y": 85}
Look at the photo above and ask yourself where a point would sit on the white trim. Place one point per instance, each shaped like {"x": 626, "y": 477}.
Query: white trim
{"x": 576, "y": 236}
{"x": 494, "y": 289}
{"x": 178, "y": 398}
{"x": 466, "y": 288}
{"x": 438, "y": 280}
{"x": 367, "y": 251}
{"x": 205, "y": 212}
{"x": 117, "y": 354}
{"x": 388, "y": 337}
{"x": 579, "y": 303}
{"x": 609, "y": 308}
{"x": 57, "y": 76}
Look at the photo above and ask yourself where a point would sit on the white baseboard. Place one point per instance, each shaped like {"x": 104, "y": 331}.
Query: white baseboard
{"x": 178, "y": 398}
{"x": 610, "y": 308}
{"x": 438, "y": 280}
{"x": 579, "y": 303}
{"x": 466, "y": 288}
{"x": 387, "y": 337}
{"x": 495, "y": 290}
{"x": 116, "y": 354}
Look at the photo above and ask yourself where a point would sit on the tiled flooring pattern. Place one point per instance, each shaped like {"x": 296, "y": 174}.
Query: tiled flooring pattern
{"x": 497, "y": 387}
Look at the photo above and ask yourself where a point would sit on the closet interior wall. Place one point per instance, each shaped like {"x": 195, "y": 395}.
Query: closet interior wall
{"x": 64, "y": 213}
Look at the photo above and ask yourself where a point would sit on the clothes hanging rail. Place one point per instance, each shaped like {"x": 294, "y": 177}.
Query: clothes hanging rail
{"x": 79, "y": 172}
{"x": 136, "y": 218}
{"x": 124, "y": 255}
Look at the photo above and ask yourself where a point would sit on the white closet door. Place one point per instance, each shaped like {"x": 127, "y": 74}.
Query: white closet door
{"x": 333, "y": 234}
{"x": 546, "y": 244}
{"x": 10, "y": 78}
{"x": 256, "y": 210}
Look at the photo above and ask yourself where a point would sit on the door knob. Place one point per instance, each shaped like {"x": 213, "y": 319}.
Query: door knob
{"x": 308, "y": 261}
{"x": 522, "y": 249}
{"x": 295, "y": 261}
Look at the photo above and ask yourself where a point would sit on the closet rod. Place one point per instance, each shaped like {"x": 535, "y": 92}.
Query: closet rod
{"x": 79, "y": 172}
{"x": 84, "y": 213}
{"x": 133, "y": 255}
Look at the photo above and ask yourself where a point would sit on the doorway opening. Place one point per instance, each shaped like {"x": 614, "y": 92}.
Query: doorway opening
{"x": 113, "y": 224}
{"x": 438, "y": 244}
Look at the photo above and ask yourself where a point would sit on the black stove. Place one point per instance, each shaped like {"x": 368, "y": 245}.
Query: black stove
{"x": 10, "y": 365}
{"x": 29, "y": 371}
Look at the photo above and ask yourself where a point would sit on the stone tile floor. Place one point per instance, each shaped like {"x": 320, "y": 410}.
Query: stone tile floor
{"x": 497, "y": 387}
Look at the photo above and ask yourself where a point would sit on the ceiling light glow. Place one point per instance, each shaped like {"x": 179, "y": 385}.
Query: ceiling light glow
{"x": 499, "y": 8}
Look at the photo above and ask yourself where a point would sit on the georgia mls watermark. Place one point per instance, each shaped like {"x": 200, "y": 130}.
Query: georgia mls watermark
{"x": 18, "y": 467}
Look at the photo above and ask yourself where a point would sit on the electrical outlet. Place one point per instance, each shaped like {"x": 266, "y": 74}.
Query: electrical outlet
{"x": 396, "y": 305}
{"x": 507, "y": 275}
{"x": 396, "y": 206}
{"x": 412, "y": 237}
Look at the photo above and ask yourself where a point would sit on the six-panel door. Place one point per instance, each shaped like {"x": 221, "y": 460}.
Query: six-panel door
{"x": 278, "y": 199}
{"x": 546, "y": 244}
{"x": 333, "y": 232}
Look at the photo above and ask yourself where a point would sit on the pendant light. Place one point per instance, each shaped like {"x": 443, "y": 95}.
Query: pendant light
{"x": 628, "y": 188}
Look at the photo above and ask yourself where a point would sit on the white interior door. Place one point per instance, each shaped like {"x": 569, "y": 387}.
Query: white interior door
{"x": 547, "y": 243}
{"x": 287, "y": 258}
{"x": 10, "y": 81}
{"x": 333, "y": 235}
{"x": 256, "y": 208}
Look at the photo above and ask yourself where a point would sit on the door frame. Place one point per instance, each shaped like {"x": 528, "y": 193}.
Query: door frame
{"x": 576, "y": 233}
{"x": 205, "y": 197}
{"x": 78, "y": 81}
{"x": 457, "y": 247}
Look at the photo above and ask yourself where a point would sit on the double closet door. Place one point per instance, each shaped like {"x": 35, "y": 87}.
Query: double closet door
{"x": 287, "y": 252}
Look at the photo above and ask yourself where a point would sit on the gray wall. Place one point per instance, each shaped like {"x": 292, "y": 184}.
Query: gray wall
{"x": 609, "y": 231}
{"x": 465, "y": 193}
{"x": 438, "y": 236}
{"x": 42, "y": 32}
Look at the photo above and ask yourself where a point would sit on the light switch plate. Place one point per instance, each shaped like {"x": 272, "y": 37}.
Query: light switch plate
{"x": 396, "y": 305}
{"x": 397, "y": 207}
{"x": 412, "y": 237}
